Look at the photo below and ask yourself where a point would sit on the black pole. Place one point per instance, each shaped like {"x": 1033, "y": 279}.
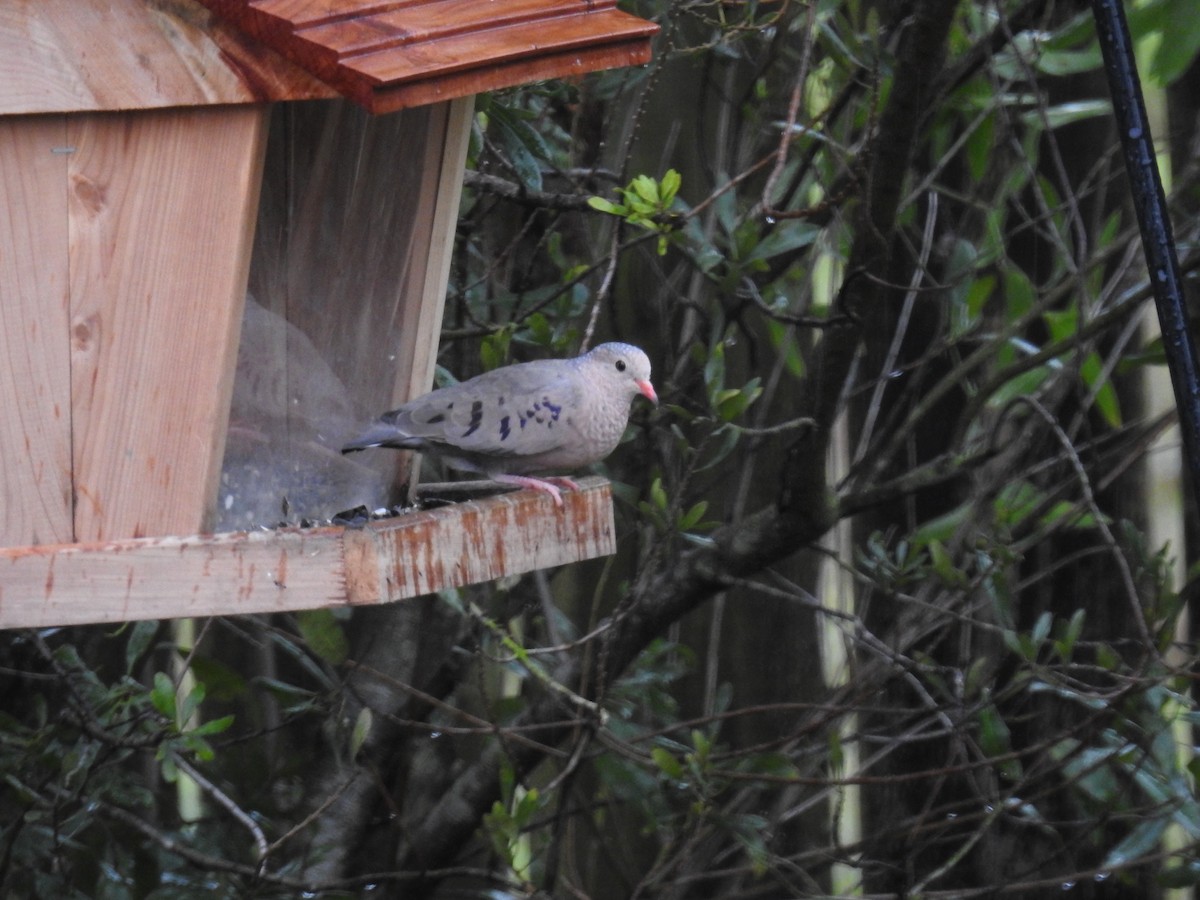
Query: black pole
{"x": 1158, "y": 241}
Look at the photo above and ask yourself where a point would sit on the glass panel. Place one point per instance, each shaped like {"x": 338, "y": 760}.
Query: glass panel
{"x": 339, "y": 264}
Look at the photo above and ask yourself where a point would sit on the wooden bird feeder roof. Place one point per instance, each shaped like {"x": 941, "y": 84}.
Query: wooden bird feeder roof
{"x": 389, "y": 55}
{"x": 193, "y": 268}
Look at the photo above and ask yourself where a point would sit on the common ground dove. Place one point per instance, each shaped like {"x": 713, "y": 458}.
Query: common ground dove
{"x": 528, "y": 419}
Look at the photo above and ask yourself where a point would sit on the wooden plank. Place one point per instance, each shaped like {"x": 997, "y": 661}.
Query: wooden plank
{"x": 386, "y": 98}
{"x": 490, "y": 539}
{"x": 389, "y": 55}
{"x": 298, "y": 14}
{"x": 161, "y": 219}
{"x": 292, "y": 569}
{"x": 440, "y": 21}
{"x": 91, "y": 55}
{"x": 283, "y": 18}
{"x": 35, "y": 365}
{"x": 424, "y": 295}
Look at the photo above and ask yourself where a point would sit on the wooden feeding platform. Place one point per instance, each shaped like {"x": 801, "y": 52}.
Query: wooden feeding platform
{"x": 215, "y": 268}
{"x": 301, "y": 568}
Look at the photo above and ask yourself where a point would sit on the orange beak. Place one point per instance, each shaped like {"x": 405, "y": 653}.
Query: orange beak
{"x": 647, "y": 390}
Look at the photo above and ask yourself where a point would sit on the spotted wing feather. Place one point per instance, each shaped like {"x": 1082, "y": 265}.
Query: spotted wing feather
{"x": 518, "y": 411}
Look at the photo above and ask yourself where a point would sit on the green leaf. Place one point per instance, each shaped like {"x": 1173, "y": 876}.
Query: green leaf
{"x": 786, "y": 236}
{"x": 970, "y": 311}
{"x": 213, "y": 726}
{"x": 1065, "y": 510}
{"x": 748, "y": 830}
{"x": 977, "y": 673}
{"x": 979, "y": 147}
{"x": 191, "y": 703}
{"x": 1070, "y": 62}
{"x": 141, "y": 636}
{"x": 667, "y": 762}
{"x": 732, "y": 403}
{"x": 1063, "y": 324}
{"x": 1070, "y": 113}
{"x": 995, "y": 740}
{"x": 1178, "y": 26}
{"x": 1107, "y": 658}
{"x": 658, "y": 495}
{"x": 493, "y": 350}
{"x": 646, "y": 188}
{"x": 1144, "y": 839}
{"x": 606, "y": 206}
{"x": 669, "y": 187}
{"x": 943, "y": 565}
{"x": 527, "y": 807}
{"x": 324, "y": 635}
{"x": 783, "y": 340}
{"x": 522, "y": 144}
{"x": 1019, "y": 293}
{"x": 523, "y": 162}
{"x": 540, "y": 331}
{"x": 361, "y": 731}
{"x": 162, "y": 695}
{"x": 198, "y": 747}
{"x": 1065, "y": 646}
{"x": 221, "y": 682}
{"x": 728, "y": 440}
{"x": 943, "y": 527}
{"x": 1106, "y": 401}
{"x": 693, "y": 516}
{"x": 714, "y": 371}
{"x": 1020, "y": 386}
{"x": 1015, "y": 502}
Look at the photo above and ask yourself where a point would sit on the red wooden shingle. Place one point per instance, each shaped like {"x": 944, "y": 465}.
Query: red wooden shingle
{"x": 388, "y": 55}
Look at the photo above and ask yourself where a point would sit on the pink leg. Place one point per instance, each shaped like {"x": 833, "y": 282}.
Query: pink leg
{"x": 535, "y": 484}
{"x": 565, "y": 483}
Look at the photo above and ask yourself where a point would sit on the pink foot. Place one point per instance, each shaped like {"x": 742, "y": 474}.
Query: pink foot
{"x": 545, "y": 485}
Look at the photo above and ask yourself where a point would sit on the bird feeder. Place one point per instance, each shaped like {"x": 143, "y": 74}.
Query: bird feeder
{"x": 211, "y": 261}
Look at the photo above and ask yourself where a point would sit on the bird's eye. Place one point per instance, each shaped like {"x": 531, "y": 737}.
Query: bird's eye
{"x": 620, "y": 365}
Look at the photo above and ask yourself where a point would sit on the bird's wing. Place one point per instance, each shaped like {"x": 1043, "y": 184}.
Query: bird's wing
{"x": 516, "y": 411}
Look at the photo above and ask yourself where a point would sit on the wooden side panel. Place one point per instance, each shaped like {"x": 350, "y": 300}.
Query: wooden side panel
{"x": 161, "y": 220}
{"x": 436, "y": 215}
{"x": 274, "y": 571}
{"x": 35, "y": 428}
{"x": 424, "y": 294}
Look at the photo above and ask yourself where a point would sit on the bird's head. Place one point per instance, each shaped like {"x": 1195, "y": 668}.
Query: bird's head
{"x": 624, "y": 366}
